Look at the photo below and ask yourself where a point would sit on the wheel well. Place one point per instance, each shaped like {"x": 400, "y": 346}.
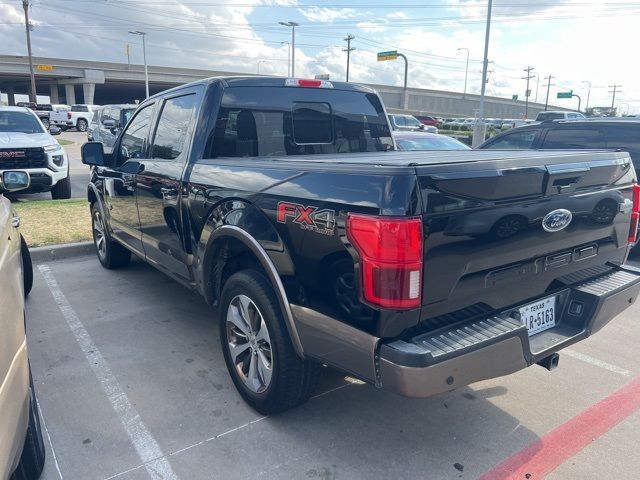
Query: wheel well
{"x": 229, "y": 256}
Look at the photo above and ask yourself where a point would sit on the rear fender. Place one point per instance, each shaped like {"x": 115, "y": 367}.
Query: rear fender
{"x": 241, "y": 221}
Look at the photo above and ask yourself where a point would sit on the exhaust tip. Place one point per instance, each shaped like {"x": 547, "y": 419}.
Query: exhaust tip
{"x": 550, "y": 362}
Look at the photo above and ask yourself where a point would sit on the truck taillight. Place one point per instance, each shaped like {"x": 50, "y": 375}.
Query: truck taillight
{"x": 307, "y": 83}
{"x": 390, "y": 252}
{"x": 68, "y": 115}
{"x": 635, "y": 215}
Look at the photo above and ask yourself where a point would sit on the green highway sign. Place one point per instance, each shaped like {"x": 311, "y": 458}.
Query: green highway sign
{"x": 390, "y": 55}
{"x": 568, "y": 94}
{"x": 514, "y": 97}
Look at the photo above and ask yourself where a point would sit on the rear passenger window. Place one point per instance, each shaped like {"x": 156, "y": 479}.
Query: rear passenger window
{"x": 514, "y": 141}
{"x": 569, "y": 138}
{"x": 625, "y": 138}
{"x": 171, "y": 132}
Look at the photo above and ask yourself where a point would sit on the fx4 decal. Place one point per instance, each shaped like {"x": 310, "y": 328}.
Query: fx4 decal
{"x": 308, "y": 218}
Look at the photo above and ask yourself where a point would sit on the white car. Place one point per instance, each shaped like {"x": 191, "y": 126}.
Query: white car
{"x": 78, "y": 117}
{"x": 558, "y": 115}
{"x": 26, "y": 145}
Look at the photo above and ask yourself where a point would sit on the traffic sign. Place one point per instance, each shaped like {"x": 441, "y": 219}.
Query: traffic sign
{"x": 389, "y": 55}
{"x": 46, "y": 68}
{"x": 514, "y": 97}
{"x": 568, "y": 94}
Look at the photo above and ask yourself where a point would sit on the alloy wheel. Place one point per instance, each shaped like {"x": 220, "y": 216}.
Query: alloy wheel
{"x": 249, "y": 343}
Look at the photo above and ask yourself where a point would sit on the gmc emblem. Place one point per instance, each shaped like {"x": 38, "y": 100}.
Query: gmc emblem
{"x": 12, "y": 155}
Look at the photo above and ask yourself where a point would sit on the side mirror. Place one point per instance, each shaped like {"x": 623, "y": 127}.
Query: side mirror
{"x": 53, "y": 130}
{"x": 108, "y": 123}
{"x": 421, "y": 127}
{"x": 93, "y": 154}
{"x": 13, "y": 180}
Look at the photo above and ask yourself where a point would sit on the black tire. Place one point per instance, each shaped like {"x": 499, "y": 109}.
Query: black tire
{"x": 27, "y": 266}
{"x": 111, "y": 254}
{"x": 293, "y": 379}
{"x": 81, "y": 125}
{"x": 33, "y": 453}
{"x": 45, "y": 122}
{"x": 62, "y": 189}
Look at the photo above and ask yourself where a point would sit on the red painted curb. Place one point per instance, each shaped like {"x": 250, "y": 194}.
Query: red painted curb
{"x": 549, "y": 452}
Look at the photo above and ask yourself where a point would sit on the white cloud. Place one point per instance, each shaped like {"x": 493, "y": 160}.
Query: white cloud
{"x": 322, "y": 14}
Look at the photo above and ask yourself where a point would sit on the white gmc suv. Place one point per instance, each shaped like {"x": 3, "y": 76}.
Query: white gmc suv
{"x": 26, "y": 145}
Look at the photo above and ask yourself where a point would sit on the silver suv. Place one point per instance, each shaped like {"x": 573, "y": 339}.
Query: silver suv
{"x": 22, "y": 450}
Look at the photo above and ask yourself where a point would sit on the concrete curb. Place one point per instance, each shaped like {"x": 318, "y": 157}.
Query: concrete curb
{"x": 61, "y": 252}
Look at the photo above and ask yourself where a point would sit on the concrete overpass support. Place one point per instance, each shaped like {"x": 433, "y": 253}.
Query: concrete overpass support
{"x": 53, "y": 94}
{"x": 11, "y": 96}
{"x": 88, "y": 91}
{"x": 70, "y": 94}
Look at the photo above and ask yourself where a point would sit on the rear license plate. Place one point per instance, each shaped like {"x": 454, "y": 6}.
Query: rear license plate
{"x": 540, "y": 315}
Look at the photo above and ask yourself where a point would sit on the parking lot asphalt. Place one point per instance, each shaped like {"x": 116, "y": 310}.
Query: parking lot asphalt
{"x": 132, "y": 385}
{"x": 79, "y": 172}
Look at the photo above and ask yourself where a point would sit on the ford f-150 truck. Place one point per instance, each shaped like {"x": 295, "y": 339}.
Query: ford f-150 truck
{"x": 284, "y": 203}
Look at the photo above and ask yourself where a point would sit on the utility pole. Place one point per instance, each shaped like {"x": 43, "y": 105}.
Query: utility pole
{"x": 479, "y": 129}
{"x": 466, "y": 71}
{"x": 144, "y": 56}
{"x": 546, "y": 102}
{"x": 349, "y": 49}
{"x": 527, "y": 91}
{"x": 588, "y": 94}
{"x": 32, "y": 92}
{"x": 616, "y": 89}
{"x": 293, "y": 26}
{"x": 128, "y": 50}
{"x": 537, "y": 85}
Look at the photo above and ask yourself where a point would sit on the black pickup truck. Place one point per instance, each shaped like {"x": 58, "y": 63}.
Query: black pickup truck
{"x": 284, "y": 203}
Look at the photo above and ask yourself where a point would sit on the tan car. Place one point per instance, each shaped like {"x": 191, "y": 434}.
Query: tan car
{"x": 21, "y": 447}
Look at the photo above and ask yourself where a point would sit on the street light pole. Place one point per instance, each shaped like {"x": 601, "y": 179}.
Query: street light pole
{"x": 259, "y": 62}
{"x": 466, "y": 71}
{"x": 546, "y": 102}
{"x": 479, "y": 128}
{"x": 144, "y": 56}
{"x": 588, "y": 93}
{"x": 293, "y": 26}
{"x": 288, "y": 57}
{"x": 32, "y": 93}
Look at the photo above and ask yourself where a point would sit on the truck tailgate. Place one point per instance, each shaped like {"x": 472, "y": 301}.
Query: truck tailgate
{"x": 501, "y": 231}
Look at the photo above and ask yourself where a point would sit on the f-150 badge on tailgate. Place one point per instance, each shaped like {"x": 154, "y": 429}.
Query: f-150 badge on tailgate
{"x": 308, "y": 218}
{"x": 556, "y": 220}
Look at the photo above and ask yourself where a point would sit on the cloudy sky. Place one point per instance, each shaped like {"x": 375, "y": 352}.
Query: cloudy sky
{"x": 572, "y": 40}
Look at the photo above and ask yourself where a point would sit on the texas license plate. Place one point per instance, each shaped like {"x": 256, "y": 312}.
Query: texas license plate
{"x": 540, "y": 315}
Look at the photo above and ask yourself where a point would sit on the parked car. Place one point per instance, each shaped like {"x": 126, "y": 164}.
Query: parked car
{"x": 42, "y": 110}
{"x": 318, "y": 245}
{"x": 107, "y": 123}
{"x": 22, "y": 452}
{"x": 426, "y": 141}
{"x": 26, "y": 145}
{"x": 408, "y": 123}
{"x": 558, "y": 115}
{"x": 618, "y": 134}
{"x": 77, "y": 117}
{"x": 430, "y": 121}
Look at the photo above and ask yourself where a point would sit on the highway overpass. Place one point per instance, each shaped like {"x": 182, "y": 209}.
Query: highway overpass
{"x": 81, "y": 81}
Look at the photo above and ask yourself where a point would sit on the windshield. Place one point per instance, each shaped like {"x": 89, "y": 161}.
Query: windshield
{"x": 549, "y": 116}
{"x": 22, "y": 122}
{"x": 430, "y": 142}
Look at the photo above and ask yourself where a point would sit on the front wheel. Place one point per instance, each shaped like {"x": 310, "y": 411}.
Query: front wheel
{"x": 257, "y": 348}
{"x": 62, "y": 189}
{"x": 111, "y": 254}
{"x": 82, "y": 125}
{"x": 45, "y": 122}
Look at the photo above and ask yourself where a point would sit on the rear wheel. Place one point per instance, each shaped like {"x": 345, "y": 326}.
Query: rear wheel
{"x": 82, "y": 125}
{"x": 111, "y": 254}
{"x": 62, "y": 189}
{"x": 27, "y": 266}
{"x": 33, "y": 452}
{"x": 45, "y": 122}
{"x": 257, "y": 348}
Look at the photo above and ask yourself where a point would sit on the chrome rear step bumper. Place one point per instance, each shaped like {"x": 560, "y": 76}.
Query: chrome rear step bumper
{"x": 476, "y": 350}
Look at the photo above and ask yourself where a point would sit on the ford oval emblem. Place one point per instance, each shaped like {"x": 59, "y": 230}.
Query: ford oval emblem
{"x": 556, "y": 220}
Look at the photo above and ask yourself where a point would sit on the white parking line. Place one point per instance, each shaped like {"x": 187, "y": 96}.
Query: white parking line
{"x": 143, "y": 441}
{"x": 46, "y": 430}
{"x": 596, "y": 362}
